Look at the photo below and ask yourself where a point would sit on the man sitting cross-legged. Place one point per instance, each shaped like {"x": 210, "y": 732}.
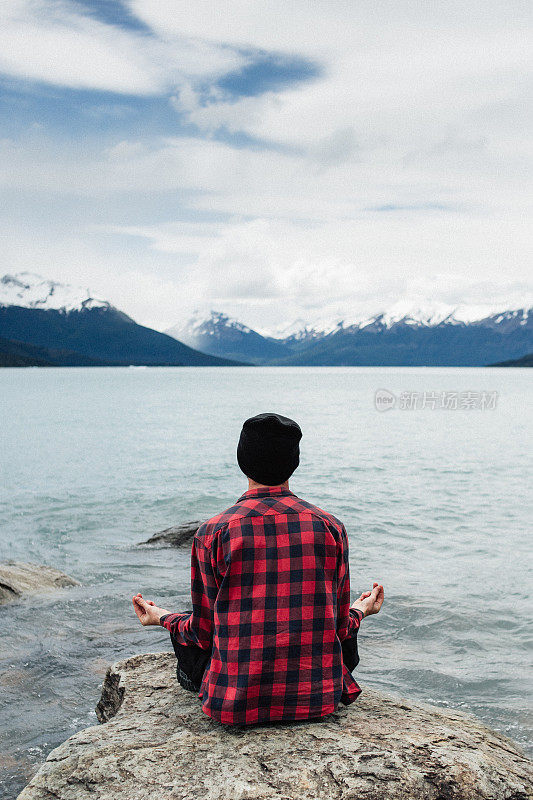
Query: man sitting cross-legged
{"x": 272, "y": 635}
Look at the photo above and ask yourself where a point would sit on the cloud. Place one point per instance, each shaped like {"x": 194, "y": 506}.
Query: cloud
{"x": 312, "y": 154}
{"x": 272, "y": 234}
{"x": 52, "y": 41}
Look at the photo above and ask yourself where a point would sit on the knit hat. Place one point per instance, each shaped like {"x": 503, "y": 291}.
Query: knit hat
{"x": 268, "y": 451}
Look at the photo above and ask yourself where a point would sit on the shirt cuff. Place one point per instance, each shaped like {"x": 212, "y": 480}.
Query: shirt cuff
{"x": 357, "y": 613}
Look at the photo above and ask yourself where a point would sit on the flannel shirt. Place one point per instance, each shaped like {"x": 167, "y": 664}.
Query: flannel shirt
{"x": 271, "y": 598}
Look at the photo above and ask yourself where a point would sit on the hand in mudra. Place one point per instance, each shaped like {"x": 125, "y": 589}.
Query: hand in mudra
{"x": 370, "y": 602}
{"x": 147, "y": 611}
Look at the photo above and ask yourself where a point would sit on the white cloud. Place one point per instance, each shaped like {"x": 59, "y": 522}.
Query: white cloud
{"x": 53, "y": 42}
{"x": 295, "y": 233}
{"x": 419, "y": 108}
{"x": 367, "y": 263}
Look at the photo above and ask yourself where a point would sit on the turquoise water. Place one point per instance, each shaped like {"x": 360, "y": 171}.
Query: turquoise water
{"x": 437, "y": 504}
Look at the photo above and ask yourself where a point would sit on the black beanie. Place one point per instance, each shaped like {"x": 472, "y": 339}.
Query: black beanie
{"x": 268, "y": 451}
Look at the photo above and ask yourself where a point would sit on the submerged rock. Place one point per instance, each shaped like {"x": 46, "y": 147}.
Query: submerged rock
{"x": 176, "y": 536}
{"x": 157, "y": 744}
{"x": 18, "y": 578}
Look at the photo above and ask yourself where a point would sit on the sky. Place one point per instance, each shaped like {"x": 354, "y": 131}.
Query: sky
{"x": 276, "y": 161}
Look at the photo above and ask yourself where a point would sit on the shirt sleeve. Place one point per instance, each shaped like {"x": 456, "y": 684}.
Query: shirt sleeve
{"x": 348, "y": 619}
{"x": 197, "y": 627}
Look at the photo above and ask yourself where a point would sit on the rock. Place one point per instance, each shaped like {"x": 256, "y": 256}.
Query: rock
{"x": 157, "y": 744}
{"x": 176, "y": 536}
{"x": 18, "y": 579}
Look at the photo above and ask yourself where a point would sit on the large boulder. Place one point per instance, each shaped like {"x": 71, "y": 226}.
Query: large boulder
{"x": 176, "y": 536}
{"x": 18, "y": 578}
{"x": 157, "y": 744}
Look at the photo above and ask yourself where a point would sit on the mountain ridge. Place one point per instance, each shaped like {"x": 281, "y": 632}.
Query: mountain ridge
{"x": 30, "y": 290}
{"x": 71, "y": 327}
{"x": 36, "y": 312}
{"x": 524, "y": 361}
{"x": 436, "y": 336}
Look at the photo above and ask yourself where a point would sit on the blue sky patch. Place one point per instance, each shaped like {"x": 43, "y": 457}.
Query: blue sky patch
{"x": 69, "y": 113}
{"x": 268, "y": 73}
{"x": 112, "y": 12}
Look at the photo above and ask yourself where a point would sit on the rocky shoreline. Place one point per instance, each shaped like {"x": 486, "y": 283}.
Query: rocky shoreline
{"x": 155, "y": 743}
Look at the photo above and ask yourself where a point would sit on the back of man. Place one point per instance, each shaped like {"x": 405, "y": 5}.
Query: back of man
{"x": 279, "y": 568}
{"x": 270, "y": 592}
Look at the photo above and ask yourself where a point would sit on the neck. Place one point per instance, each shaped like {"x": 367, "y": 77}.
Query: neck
{"x": 253, "y": 485}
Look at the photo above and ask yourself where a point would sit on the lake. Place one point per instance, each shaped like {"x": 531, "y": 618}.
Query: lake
{"x": 435, "y": 493}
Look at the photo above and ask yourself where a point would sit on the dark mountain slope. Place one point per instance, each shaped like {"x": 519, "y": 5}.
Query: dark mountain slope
{"x": 461, "y": 345}
{"x": 22, "y": 354}
{"x": 525, "y": 361}
{"x": 101, "y": 334}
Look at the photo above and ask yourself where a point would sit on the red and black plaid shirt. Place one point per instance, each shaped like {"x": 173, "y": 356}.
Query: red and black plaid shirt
{"x": 271, "y": 597}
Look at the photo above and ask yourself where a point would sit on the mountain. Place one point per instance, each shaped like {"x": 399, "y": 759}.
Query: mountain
{"x": 21, "y": 354}
{"x": 384, "y": 340}
{"x": 433, "y": 335}
{"x": 56, "y": 317}
{"x": 223, "y": 336}
{"x": 43, "y": 322}
{"x": 525, "y": 361}
{"x": 28, "y": 290}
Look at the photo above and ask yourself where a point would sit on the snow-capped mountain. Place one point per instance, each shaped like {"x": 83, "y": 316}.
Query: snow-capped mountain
{"x": 217, "y": 333}
{"x": 428, "y": 315}
{"x": 435, "y": 314}
{"x": 29, "y": 290}
{"x": 43, "y": 322}
{"x": 212, "y": 324}
{"x": 68, "y": 325}
{"x": 301, "y": 329}
{"x": 428, "y": 334}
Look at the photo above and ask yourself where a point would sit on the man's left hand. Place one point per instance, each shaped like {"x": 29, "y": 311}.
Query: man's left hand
{"x": 147, "y": 611}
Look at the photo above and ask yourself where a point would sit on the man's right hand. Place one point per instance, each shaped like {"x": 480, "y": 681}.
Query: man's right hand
{"x": 147, "y": 611}
{"x": 370, "y": 602}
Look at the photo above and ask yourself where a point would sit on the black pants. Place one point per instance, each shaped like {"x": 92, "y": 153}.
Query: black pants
{"x": 192, "y": 661}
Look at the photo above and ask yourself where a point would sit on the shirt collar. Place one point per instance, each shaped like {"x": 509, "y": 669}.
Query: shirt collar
{"x": 267, "y": 491}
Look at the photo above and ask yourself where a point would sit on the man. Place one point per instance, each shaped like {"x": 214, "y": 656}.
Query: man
{"x": 270, "y": 589}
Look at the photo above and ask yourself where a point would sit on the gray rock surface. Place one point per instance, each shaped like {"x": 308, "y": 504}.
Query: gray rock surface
{"x": 176, "y": 536}
{"x": 18, "y": 578}
{"x": 157, "y": 744}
